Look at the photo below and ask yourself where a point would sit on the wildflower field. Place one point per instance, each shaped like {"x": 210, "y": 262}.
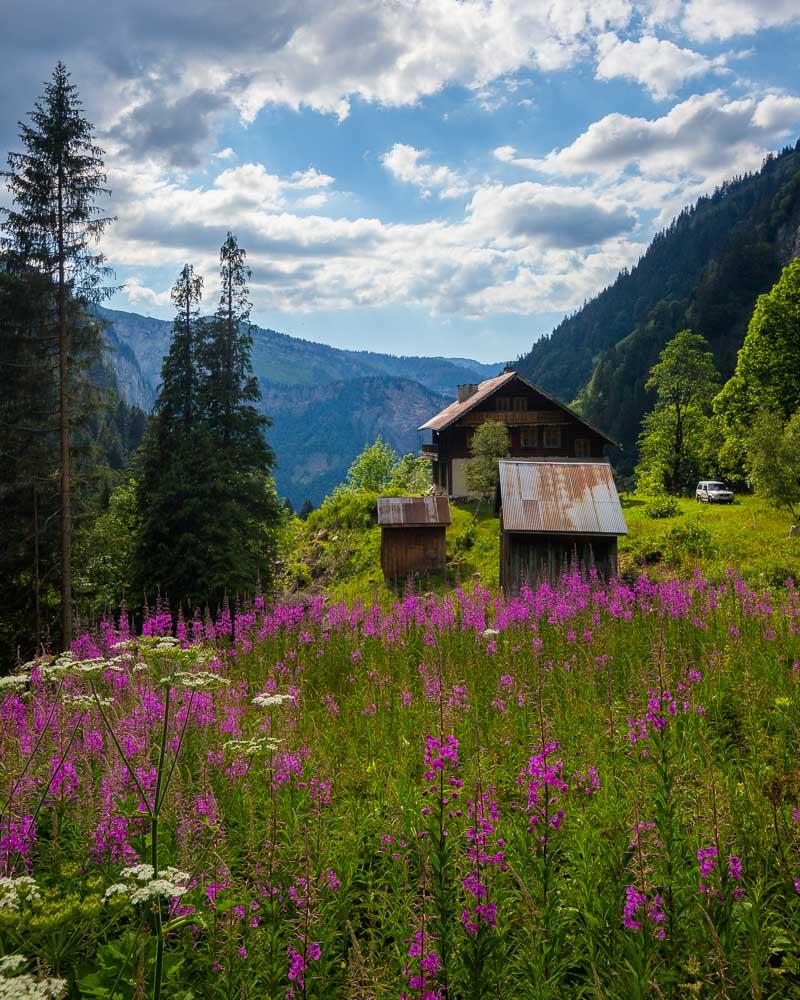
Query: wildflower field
{"x": 587, "y": 791}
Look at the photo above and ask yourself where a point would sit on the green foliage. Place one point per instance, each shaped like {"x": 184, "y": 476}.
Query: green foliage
{"x": 490, "y": 442}
{"x": 660, "y": 506}
{"x": 209, "y": 510}
{"x": 373, "y": 468}
{"x": 767, "y": 375}
{"x": 676, "y": 435}
{"x": 411, "y": 475}
{"x": 773, "y": 459}
{"x": 106, "y": 552}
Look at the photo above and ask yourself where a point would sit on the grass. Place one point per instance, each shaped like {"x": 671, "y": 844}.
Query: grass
{"x": 748, "y": 535}
{"x": 338, "y": 549}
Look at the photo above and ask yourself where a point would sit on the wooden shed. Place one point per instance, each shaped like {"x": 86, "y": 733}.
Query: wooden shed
{"x": 556, "y": 515}
{"x": 413, "y": 535}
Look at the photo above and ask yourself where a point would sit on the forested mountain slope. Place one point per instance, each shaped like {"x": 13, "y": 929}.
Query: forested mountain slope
{"x": 279, "y": 359}
{"x": 325, "y": 403}
{"x": 704, "y": 272}
{"x": 318, "y": 430}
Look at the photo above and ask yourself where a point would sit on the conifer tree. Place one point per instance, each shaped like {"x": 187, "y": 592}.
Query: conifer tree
{"x": 240, "y": 546}
{"x": 205, "y": 494}
{"x": 52, "y": 229}
{"x": 171, "y": 481}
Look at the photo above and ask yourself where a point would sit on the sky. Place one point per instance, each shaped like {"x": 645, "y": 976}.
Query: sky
{"x": 435, "y": 177}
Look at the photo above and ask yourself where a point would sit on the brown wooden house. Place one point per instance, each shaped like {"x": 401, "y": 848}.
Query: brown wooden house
{"x": 413, "y": 535}
{"x": 540, "y": 428}
{"x": 555, "y": 516}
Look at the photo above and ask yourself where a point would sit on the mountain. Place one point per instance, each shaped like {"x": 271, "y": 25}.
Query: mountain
{"x": 319, "y": 429}
{"x": 325, "y": 403}
{"x": 279, "y": 359}
{"x": 704, "y": 272}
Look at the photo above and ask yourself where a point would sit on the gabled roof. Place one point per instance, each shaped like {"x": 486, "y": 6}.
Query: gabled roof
{"x": 409, "y": 512}
{"x": 576, "y": 498}
{"x": 450, "y": 414}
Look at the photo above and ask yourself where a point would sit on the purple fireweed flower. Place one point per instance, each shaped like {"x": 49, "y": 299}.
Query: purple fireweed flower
{"x": 637, "y": 908}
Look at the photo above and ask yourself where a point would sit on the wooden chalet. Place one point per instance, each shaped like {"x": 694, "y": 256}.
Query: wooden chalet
{"x": 540, "y": 428}
{"x": 413, "y": 535}
{"x": 555, "y": 516}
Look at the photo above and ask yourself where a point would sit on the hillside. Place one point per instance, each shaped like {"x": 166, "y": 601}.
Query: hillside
{"x": 325, "y": 403}
{"x": 282, "y": 360}
{"x": 318, "y": 430}
{"x": 704, "y": 271}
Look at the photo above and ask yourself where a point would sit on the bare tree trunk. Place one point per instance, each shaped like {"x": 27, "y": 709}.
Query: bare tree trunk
{"x": 66, "y": 514}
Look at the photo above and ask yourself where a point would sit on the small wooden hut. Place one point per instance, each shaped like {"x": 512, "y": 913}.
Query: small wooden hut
{"x": 554, "y": 515}
{"x": 413, "y": 535}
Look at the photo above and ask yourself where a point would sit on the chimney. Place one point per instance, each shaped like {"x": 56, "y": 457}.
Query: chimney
{"x": 465, "y": 391}
{"x": 508, "y": 369}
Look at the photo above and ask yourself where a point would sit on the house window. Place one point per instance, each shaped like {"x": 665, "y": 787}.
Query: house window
{"x": 527, "y": 437}
{"x": 520, "y": 403}
{"x": 551, "y": 437}
{"x": 504, "y": 404}
{"x": 583, "y": 448}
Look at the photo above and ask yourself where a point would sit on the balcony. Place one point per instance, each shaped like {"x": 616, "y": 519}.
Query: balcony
{"x": 431, "y": 451}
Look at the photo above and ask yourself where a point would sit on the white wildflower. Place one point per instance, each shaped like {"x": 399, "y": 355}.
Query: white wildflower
{"x": 171, "y": 882}
{"x": 268, "y": 700}
{"x": 489, "y": 633}
{"x": 141, "y": 872}
{"x": 14, "y": 681}
{"x": 159, "y": 887}
{"x": 86, "y": 701}
{"x": 196, "y": 680}
{"x": 10, "y": 963}
{"x": 25, "y": 987}
{"x": 13, "y": 891}
{"x": 250, "y": 748}
{"x": 117, "y": 889}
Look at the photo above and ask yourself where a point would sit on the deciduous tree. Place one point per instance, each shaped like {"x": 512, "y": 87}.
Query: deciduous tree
{"x": 489, "y": 444}
{"x": 685, "y": 381}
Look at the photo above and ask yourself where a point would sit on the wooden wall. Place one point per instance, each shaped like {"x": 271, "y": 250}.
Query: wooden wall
{"x": 412, "y": 551}
{"x": 530, "y": 558}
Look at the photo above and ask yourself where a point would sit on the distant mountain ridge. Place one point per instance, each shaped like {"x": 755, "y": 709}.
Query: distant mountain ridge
{"x": 704, "y": 272}
{"x": 325, "y": 403}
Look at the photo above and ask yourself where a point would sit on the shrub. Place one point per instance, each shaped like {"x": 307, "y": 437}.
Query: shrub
{"x": 661, "y": 506}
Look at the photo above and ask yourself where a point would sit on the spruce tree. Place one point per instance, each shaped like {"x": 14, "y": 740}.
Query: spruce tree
{"x": 241, "y": 544}
{"x": 51, "y": 229}
{"x": 172, "y": 482}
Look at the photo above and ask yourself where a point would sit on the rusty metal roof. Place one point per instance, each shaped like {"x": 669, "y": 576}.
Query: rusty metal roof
{"x": 450, "y": 414}
{"x": 577, "y": 498}
{"x": 409, "y": 512}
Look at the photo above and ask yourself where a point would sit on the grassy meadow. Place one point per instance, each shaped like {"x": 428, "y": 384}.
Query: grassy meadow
{"x": 345, "y": 559}
{"x": 587, "y": 791}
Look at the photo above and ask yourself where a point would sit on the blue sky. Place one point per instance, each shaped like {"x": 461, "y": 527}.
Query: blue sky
{"x": 419, "y": 176}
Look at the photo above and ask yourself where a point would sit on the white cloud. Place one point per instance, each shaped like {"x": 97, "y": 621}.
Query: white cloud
{"x": 228, "y": 153}
{"x": 524, "y": 248}
{"x": 704, "y": 137}
{"x": 406, "y": 164}
{"x": 709, "y": 20}
{"x": 657, "y": 64}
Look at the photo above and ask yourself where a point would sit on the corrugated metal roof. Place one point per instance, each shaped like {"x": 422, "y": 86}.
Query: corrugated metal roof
{"x": 577, "y": 498}
{"x": 456, "y": 410}
{"x": 410, "y": 511}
